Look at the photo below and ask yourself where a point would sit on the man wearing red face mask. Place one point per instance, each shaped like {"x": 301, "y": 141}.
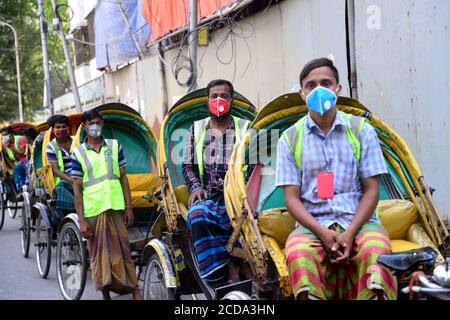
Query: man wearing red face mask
{"x": 209, "y": 146}
{"x": 58, "y": 155}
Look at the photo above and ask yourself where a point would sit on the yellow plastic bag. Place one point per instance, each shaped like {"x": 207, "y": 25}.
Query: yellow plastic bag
{"x": 182, "y": 194}
{"x": 276, "y": 223}
{"x": 403, "y": 245}
{"x": 396, "y": 216}
{"x": 417, "y": 234}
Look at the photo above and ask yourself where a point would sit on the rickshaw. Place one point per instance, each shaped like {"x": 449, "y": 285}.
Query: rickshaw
{"x": 27, "y": 194}
{"x": 140, "y": 147}
{"x": 43, "y": 198}
{"x": 10, "y": 198}
{"x": 171, "y": 261}
{"x": 262, "y": 224}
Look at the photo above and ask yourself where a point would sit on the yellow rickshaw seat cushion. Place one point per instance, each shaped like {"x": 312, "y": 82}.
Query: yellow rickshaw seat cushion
{"x": 140, "y": 184}
{"x": 403, "y": 245}
{"x": 182, "y": 194}
{"x": 396, "y": 216}
{"x": 276, "y": 223}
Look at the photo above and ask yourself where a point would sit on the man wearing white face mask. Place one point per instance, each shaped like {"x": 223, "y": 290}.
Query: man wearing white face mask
{"x": 103, "y": 205}
{"x": 329, "y": 164}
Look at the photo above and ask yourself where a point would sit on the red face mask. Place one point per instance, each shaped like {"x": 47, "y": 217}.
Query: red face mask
{"x": 219, "y": 107}
{"x": 61, "y": 132}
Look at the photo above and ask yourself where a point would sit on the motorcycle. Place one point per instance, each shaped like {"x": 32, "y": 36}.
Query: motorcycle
{"x": 427, "y": 281}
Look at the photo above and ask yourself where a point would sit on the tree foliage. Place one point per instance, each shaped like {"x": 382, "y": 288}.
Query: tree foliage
{"x": 23, "y": 15}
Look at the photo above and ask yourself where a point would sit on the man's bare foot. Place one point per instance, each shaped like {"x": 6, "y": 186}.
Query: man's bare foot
{"x": 246, "y": 269}
{"x": 137, "y": 294}
{"x": 106, "y": 295}
{"x": 303, "y": 295}
{"x": 379, "y": 294}
{"x": 233, "y": 273}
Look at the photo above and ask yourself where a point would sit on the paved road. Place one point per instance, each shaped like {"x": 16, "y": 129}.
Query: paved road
{"x": 19, "y": 278}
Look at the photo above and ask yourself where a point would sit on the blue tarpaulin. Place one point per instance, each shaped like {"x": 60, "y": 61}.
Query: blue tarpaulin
{"x": 114, "y": 44}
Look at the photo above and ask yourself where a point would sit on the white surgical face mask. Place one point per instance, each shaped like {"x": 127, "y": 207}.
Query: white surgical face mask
{"x": 94, "y": 130}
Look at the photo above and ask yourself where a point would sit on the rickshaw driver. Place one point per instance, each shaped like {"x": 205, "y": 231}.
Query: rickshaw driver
{"x": 30, "y": 134}
{"x": 103, "y": 205}
{"x": 58, "y": 154}
{"x": 209, "y": 146}
{"x": 14, "y": 154}
{"x": 332, "y": 193}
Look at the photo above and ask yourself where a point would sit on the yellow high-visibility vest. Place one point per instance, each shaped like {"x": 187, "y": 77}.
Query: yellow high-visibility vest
{"x": 102, "y": 189}
{"x": 294, "y": 137}
{"x": 57, "y": 150}
{"x": 10, "y": 153}
{"x": 240, "y": 128}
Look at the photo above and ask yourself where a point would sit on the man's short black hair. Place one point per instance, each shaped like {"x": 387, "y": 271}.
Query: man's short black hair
{"x": 219, "y": 82}
{"x": 31, "y": 132}
{"x": 91, "y": 114}
{"x": 57, "y": 118}
{"x": 7, "y": 130}
{"x": 317, "y": 63}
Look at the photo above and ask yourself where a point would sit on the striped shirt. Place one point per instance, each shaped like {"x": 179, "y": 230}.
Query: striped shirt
{"x": 52, "y": 157}
{"x": 216, "y": 152}
{"x": 332, "y": 151}
{"x": 77, "y": 170}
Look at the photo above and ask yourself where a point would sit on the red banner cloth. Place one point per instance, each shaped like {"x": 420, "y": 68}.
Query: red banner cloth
{"x": 165, "y": 16}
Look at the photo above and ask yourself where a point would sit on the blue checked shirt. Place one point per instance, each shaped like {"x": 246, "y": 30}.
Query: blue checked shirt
{"x": 334, "y": 153}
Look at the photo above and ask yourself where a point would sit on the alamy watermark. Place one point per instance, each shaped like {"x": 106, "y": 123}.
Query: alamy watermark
{"x": 261, "y": 149}
{"x": 373, "y": 21}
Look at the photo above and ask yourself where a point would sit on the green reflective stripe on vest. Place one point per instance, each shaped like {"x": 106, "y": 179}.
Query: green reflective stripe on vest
{"x": 109, "y": 167}
{"x": 57, "y": 150}
{"x": 353, "y": 133}
{"x": 10, "y": 153}
{"x": 102, "y": 189}
{"x": 240, "y": 126}
{"x": 294, "y": 137}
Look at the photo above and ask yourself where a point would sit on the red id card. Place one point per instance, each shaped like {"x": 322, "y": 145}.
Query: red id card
{"x": 325, "y": 185}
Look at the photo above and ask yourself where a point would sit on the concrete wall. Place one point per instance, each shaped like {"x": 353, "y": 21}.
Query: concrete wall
{"x": 403, "y": 76}
{"x": 402, "y": 66}
{"x": 280, "y": 41}
{"x": 138, "y": 85}
{"x": 80, "y": 9}
{"x": 266, "y": 63}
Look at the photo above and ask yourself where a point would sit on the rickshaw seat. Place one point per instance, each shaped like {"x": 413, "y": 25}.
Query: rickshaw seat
{"x": 182, "y": 194}
{"x": 398, "y": 217}
{"x": 276, "y": 223}
{"x": 140, "y": 184}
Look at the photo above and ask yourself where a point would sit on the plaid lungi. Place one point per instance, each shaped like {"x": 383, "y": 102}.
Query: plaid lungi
{"x": 109, "y": 253}
{"x": 311, "y": 270}
{"x": 64, "y": 196}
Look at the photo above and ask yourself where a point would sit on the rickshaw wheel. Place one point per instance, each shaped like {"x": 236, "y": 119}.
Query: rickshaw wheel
{"x": 25, "y": 232}
{"x": 2, "y": 208}
{"x": 43, "y": 248}
{"x": 71, "y": 262}
{"x": 155, "y": 287}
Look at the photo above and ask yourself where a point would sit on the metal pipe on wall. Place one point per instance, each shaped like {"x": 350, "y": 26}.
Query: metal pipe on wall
{"x": 73, "y": 80}
{"x": 163, "y": 80}
{"x": 193, "y": 43}
{"x": 48, "y": 98}
{"x": 351, "y": 49}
